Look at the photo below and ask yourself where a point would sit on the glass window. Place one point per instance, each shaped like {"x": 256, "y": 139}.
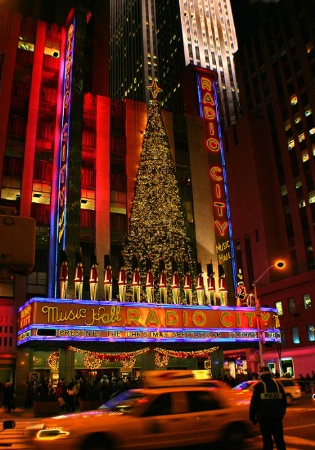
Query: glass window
{"x": 295, "y": 335}
{"x": 310, "y": 332}
{"x": 161, "y": 406}
{"x": 291, "y": 303}
{"x": 307, "y": 301}
{"x": 279, "y": 308}
{"x": 202, "y": 401}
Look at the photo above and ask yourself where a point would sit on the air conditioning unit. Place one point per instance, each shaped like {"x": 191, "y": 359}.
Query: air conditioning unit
{"x": 17, "y": 243}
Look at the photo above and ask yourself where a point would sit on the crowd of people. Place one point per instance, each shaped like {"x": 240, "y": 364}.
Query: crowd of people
{"x": 70, "y": 394}
{"x": 307, "y": 383}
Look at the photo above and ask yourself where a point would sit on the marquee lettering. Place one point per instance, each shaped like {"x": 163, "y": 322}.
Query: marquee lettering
{"x": 153, "y": 319}
{"x": 199, "y": 319}
{"x": 171, "y": 318}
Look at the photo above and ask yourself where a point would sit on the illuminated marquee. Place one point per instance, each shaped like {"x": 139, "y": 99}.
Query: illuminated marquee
{"x": 209, "y": 112}
{"x": 64, "y": 140}
{"x": 75, "y": 320}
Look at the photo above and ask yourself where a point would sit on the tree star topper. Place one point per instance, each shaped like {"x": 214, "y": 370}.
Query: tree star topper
{"x": 155, "y": 89}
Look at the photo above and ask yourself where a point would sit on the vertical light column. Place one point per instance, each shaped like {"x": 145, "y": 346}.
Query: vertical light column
{"x": 102, "y": 192}
{"x": 53, "y": 235}
{"x": 32, "y": 120}
{"x": 9, "y": 33}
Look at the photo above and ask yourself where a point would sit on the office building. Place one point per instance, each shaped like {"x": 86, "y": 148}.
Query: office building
{"x": 158, "y": 39}
{"x": 271, "y": 172}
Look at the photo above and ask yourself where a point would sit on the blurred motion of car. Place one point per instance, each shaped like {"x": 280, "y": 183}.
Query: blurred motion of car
{"x": 292, "y": 389}
{"x": 166, "y": 416}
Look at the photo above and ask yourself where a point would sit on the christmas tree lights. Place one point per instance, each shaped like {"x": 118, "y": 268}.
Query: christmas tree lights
{"x": 158, "y": 221}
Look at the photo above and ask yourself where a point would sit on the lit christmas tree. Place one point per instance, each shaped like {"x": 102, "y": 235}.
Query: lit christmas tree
{"x": 158, "y": 222}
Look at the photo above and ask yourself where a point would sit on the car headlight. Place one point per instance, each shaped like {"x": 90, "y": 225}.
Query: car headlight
{"x": 51, "y": 434}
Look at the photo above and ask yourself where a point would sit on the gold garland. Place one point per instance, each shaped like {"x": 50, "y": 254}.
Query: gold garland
{"x": 126, "y": 359}
{"x": 91, "y": 361}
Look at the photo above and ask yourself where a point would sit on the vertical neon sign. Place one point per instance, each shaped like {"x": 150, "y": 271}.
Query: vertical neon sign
{"x": 209, "y": 111}
{"x": 64, "y": 139}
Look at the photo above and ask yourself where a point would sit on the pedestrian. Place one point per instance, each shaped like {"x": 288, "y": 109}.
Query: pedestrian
{"x": 29, "y": 395}
{"x": 267, "y": 407}
{"x": 71, "y": 396}
{"x": 8, "y": 396}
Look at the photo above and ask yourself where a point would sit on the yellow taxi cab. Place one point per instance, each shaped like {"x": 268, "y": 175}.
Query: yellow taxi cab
{"x": 149, "y": 419}
{"x": 171, "y": 413}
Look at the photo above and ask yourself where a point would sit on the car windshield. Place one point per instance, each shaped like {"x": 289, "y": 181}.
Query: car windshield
{"x": 244, "y": 385}
{"x": 124, "y": 402}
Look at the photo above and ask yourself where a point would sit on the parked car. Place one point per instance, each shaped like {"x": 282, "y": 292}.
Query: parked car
{"x": 150, "y": 418}
{"x": 291, "y": 388}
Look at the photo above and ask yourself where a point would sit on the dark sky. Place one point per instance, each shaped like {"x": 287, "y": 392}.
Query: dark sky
{"x": 246, "y": 15}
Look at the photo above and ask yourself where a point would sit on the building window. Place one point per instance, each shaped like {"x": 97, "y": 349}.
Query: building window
{"x": 295, "y": 335}
{"x": 310, "y": 332}
{"x": 279, "y": 308}
{"x": 291, "y": 303}
{"x": 307, "y": 301}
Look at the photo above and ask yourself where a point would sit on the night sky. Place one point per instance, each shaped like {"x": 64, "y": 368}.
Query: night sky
{"x": 246, "y": 16}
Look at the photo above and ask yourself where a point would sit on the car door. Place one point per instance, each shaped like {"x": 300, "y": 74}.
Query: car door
{"x": 207, "y": 416}
{"x": 161, "y": 424}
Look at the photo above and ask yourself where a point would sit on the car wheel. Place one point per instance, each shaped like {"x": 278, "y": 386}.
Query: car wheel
{"x": 97, "y": 442}
{"x": 234, "y": 437}
{"x": 289, "y": 399}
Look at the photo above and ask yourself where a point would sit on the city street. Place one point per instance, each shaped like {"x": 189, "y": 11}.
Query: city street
{"x": 298, "y": 427}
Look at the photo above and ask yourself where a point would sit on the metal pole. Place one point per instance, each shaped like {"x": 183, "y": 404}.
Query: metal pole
{"x": 258, "y": 317}
{"x": 279, "y": 265}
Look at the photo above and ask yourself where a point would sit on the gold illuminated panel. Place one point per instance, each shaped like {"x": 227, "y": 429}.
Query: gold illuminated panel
{"x": 55, "y": 319}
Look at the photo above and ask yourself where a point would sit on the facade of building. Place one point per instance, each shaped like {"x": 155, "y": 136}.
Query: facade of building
{"x": 107, "y": 134}
{"x": 95, "y": 143}
{"x": 270, "y": 153}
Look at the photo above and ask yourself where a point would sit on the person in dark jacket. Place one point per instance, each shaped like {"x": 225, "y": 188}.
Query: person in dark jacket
{"x": 8, "y": 396}
{"x": 267, "y": 407}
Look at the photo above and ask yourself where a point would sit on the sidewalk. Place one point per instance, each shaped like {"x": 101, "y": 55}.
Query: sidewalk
{"x": 18, "y": 413}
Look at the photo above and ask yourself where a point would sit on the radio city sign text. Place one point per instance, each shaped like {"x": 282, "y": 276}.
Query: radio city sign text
{"x": 129, "y": 315}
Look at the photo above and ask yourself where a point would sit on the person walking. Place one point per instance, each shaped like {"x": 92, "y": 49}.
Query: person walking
{"x": 8, "y": 396}
{"x": 267, "y": 407}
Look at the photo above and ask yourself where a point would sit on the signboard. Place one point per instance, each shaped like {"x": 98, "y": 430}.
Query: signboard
{"x": 77, "y": 320}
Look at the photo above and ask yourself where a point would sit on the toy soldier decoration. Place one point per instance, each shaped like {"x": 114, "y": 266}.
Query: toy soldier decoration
{"x": 222, "y": 286}
{"x": 149, "y": 282}
{"x": 241, "y": 294}
{"x": 78, "y": 276}
{"x": 187, "y": 282}
{"x": 175, "y": 280}
{"x": 108, "y": 278}
{"x": 200, "y": 284}
{"x": 211, "y": 284}
{"x": 93, "y": 278}
{"x": 162, "y": 279}
{"x": 135, "y": 278}
{"x": 122, "y": 279}
{"x": 63, "y": 275}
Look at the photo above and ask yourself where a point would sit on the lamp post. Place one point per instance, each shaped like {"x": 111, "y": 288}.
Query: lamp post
{"x": 279, "y": 265}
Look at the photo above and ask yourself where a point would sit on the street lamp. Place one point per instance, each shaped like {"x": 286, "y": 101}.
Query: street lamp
{"x": 279, "y": 265}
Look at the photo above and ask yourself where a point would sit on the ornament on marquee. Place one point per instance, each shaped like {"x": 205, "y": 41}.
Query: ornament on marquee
{"x": 53, "y": 360}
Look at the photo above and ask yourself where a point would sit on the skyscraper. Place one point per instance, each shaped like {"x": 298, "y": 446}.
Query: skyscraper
{"x": 271, "y": 155}
{"x": 160, "y": 38}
